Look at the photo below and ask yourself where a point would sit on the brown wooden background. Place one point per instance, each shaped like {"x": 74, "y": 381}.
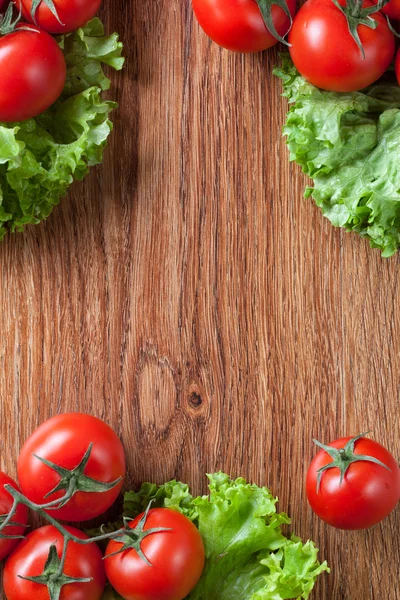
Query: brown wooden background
{"x": 187, "y": 293}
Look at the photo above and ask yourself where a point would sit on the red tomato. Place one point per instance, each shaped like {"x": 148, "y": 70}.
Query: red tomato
{"x": 325, "y": 53}
{"x": 368, "y": 492}
{"x": 72, "y": 14}
{"x": 29, "y": 560}
{"x": 238, "y": 24}
{"x": 176, "y": 557}
{"x": 33, "y": 74}
{"x": 64, "y": 440}
{"x": 392, "y": 9}
{"x": 20, "y": 516}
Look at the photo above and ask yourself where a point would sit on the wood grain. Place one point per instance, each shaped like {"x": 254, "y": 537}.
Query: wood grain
{"x": 186, "y": 293}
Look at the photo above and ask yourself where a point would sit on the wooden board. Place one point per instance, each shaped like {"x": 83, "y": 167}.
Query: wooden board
{"x": 187, "y": 294}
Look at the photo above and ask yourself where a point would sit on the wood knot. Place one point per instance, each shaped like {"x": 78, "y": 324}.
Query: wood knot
{"x": 195, "y": 400}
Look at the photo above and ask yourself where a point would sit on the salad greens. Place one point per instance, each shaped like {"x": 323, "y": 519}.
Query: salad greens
{"x": 348, "y": 143}
{"x": 248, "y": 556}
{"x": 41, "y": 157}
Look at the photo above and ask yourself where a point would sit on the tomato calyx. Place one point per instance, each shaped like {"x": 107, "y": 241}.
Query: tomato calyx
{"x": 53, "y": 576}
{"x": 8, "y": 25}
{"x": 357, "y": 15}
{"x": 75, "y": 480}
{"x": 49, "y": 4}
{"x": 132, "y": 538}
{"x": 265, "y": 7}
{"x": 344, "y": 457}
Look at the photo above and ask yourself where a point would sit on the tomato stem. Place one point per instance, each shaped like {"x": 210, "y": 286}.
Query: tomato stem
{"x": 265, "y": 7}
{"x": 344, "y": 457}
{"x": 7, "y": 25}
{"x": 53, "y": 574}
{"x": 357, "y": 15}
{"x": 132, "y": 538}
{"x": 74, "y": 480}
{"x": 10, "y": 523}
{"x": 49, "y": 4}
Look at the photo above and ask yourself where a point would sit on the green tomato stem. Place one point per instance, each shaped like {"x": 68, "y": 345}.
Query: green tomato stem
{"x": 357, "y": 15}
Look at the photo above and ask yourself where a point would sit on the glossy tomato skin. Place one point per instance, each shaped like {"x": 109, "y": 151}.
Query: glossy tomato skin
{"x": 324, "y": 52}
{"x": 392, "y": 9}
{"x": 72, "y": 14}
{"x": 29, "y": 559}
{"x": 177, "y": 559}
{"x": 238, "y": 24}
{"x": 367, "y": 494}
{"x": 20, "y": 516}
{"x": 33, "y": 74}
{"x": 64, "y": 440}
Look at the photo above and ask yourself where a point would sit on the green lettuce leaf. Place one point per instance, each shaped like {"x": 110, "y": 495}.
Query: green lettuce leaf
{"x": 41, "y": 157}
{"x": 348, "y": 143}
{"x": 173, "y": 494}
{"x": 248, "y": 557}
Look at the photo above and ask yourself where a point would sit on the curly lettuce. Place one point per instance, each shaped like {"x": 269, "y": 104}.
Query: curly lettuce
{"x": 348, "y": 143}
{"x": 41, "y": 157}
{"x": 248, "y": 557}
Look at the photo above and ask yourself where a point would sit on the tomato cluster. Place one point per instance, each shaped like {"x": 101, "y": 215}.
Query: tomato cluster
{"x": 72, "y": 468}
{"x": 337, "y": 45}
{"x": 32, "y": 65}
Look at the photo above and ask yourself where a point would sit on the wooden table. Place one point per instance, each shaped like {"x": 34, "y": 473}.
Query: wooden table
{"x": 189, "y": 295}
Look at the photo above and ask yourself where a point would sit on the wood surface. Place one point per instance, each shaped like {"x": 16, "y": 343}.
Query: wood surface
{"x": 189, "y": 295}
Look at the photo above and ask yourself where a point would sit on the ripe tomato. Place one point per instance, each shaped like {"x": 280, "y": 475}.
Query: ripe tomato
{"x": 325, "y": 53}
{"x": 29, "y": 560}
{"x": 33, "y": 74}
{"x": 64, "y": 440}
{"x": 368, "y": 492}
{"x": 20, "y": 516}
{"x": 238, "y": 24}
{"x": 392, "y": 9}
{"x": 176, "y": 557}
{"x": 72, "y": 14}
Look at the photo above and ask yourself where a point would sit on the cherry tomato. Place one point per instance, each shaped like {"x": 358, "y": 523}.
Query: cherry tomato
{"x": 72, "y": 14}
{"x": 29, "y": 560}
{"x": 325, "y": 53}
{"x": 33, "y": 74}
{"x": 238, "y": 24}
{"x": 20, "y": 516}
{"x": 368, "y": 492}
{"x": 176, "y": 557}
{"x": 65, "y": 440}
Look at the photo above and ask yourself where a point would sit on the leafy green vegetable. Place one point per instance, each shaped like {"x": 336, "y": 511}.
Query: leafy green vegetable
{"x": 41, "y": 157}
{"x": 247, "y": 555}
{"x": 348, "y": 143}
